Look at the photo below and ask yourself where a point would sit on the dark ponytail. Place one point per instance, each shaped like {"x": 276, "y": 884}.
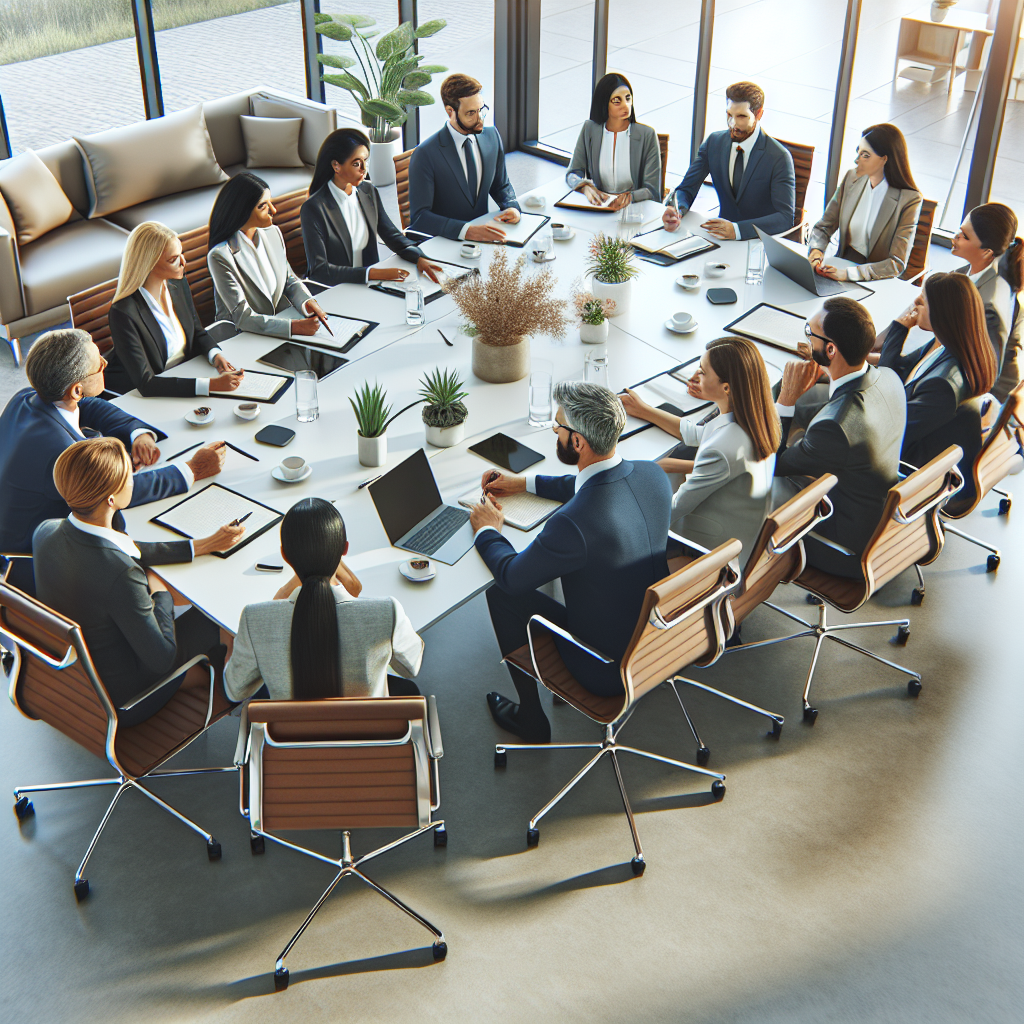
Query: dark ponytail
{"x": 995, "y": 224}
{"x": 313, "y": 539}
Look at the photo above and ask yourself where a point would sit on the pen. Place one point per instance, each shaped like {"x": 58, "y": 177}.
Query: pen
{"x": 183, "y": 450}
{"x": 446, "y": 341}
{"x": 235, "y": 448}
{"x": 238, "y": 522}
{"x": 366, "y": 483}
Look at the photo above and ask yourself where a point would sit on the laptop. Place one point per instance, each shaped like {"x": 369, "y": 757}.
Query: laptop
{"x": 413, "y": 515}
{"x": 797, "y": 267}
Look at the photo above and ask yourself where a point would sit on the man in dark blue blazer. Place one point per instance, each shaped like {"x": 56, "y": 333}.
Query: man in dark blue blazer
{"x": 752, "y": 173}
{"x": 606, "y": 544}
{"x": 453, "y": 172}
{"x": 65, "y": 370}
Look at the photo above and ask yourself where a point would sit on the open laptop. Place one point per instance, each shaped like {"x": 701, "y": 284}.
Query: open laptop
{"x": 797, "y": 267}
{"x": 414, "y": 516}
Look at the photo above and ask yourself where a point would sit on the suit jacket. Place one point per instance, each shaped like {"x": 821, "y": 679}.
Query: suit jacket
{"x": 891, "y": 237}
{"x": 130, "y": 632}
{"x": 729, "y": 492}
{"x": 32, "y": 436}
{"x": 644, "y": 160}
{"x": 1002, "y": 321}
{"x": 439, "y": 199}
{"x": 140, "y": 351}
{"x": 857, "y": 435}
{"x": 329, "y": 245}
{"x": 607, "y": 543}
{"x": 240, "y": 294}
{"x": 767, "y": 194}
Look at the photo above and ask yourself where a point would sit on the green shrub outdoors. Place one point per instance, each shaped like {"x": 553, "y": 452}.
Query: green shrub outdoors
{"x": 36, "y": 28}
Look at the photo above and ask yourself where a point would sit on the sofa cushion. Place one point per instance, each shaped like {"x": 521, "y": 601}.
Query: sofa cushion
{"x": 317, "y": 121}
{"x": 35, "y": 199}
{"x": 224, "y": 127}
{"x": 69, "y": 259}
{"x": 147, "y": 160}
{"x": 279, "y": 179}
{"x": 65, "y": 161}
{"x": 272, "y": 141}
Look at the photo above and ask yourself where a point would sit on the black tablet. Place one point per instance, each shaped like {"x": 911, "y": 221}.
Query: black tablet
{"x": 292, "y": 356}
{"x": 506, "y": 452}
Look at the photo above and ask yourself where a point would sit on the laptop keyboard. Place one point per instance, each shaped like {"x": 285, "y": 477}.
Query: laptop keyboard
{"x": 823, "y": 286}
{"x": 440, "y": 529}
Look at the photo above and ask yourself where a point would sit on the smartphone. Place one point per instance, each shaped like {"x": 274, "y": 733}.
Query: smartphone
{"x": 506, "y": 452}
{"x": 276, "y": 435}
{"x": 267, "y": 567}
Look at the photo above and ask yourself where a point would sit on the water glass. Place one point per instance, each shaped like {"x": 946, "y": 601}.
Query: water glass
{"x": 595, "y": 368}
{"x": 307, "y": 408}
{"x": 755, "y": 261}
{"x": 414, "y": 304}
{"x": 542, "y": 413}
{"x": 540, "y": 246}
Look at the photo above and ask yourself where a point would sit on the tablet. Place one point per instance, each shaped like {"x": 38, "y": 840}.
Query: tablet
{"x": 506, "y": 452}
{"x": 291, "y": 356}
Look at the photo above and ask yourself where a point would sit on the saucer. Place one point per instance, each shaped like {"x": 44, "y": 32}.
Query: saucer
{"x": 565, "y": 238}
{"x": 689, "y": 287}
{"x": 409, "y": 573}
{"x": 279, "y": 476}
{"x": 549, "y": 259}
{"x": 243, "y": 416}
{"x": 192, "y": 418}
{"x": 675, "y": 330}
{"x": 471, "y": 255}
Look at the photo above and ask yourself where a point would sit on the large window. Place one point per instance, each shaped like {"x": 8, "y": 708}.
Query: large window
{"x": 566, "y": 61}
{"x": 1008, "y": 175}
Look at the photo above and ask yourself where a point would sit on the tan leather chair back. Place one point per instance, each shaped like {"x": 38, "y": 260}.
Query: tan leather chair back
{"x": 89, "y": 312}
{"x": 402, "y": 185}
{"x": 289, "y": 210}
{"x": 803, "y": 159}
{"x": 194, "y": 246}
{"x": 663, "y": 149}
{"x": 917, "y": 261}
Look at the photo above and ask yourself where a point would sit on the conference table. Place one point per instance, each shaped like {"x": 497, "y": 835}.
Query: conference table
{"x": 396, "y": 355}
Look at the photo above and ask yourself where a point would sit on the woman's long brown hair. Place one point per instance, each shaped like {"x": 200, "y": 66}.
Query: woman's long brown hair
{"x": 887, "y": 140}
{"x": 957, "y": 314}
{"x": 737, "y": 363}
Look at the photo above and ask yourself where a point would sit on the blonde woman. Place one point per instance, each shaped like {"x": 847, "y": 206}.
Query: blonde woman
{"x": 154, "y": 324}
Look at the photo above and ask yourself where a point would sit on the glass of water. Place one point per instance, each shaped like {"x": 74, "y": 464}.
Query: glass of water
{"x": 755, "y": 261}
{"x": 595, "y": 368}
{"x": 413, "y": 304}
{"x": 542, "y": 414}
{"x": 307, "y": 408}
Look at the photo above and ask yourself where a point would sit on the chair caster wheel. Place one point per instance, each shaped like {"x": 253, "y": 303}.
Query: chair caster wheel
{"x": 639, "y": 865}
{"x": 440, "y": 950}
{"x": 23, "y": 808}
{"x": 556, "y": 701}
{"x": 810, "y": 715}
{"x": 993, "y": 563}
{"x": 703, "y": 756}
{"x": 213, "y": 849}
{"x": 914, "y": 687}
{"x": 776, "y": 731}
{"x": 81, "y": 889}
{"x": 718, "y": 789}
{"x": 532, "y": 836}
{"x": 500, "y": 759}
{"x": 280, "y": 979}
{"x": 917, "y": 597}
{"x": 440, "y": 837}
{"x": 1004, "y": 506}
{"x": 902, "y": 636}
{"x": 813, "y": 599}
{"x": 257, "y": 844}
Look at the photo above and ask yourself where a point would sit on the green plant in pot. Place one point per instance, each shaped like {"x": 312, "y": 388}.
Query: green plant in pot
{"x": 592, "y": 314}
{"x": 371, "y": 411}
{"x": 444, "y": 413}
{"x": 612, "y": 267}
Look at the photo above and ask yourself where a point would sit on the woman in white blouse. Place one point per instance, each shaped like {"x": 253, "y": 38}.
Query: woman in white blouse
{"x": 154, "y": 324}
{"x": 874, "y": 210}
{"x": 727, "y": 486}
{"x": 615, "y": 158}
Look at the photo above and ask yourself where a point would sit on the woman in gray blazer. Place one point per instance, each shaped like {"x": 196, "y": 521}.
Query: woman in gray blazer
{"x": 315, "y": 640}
{"x": 727, "y": 486}
{"x": 874, "y": 210}
{"x": 252, "y": 279}
{"x": 614, "y": 155}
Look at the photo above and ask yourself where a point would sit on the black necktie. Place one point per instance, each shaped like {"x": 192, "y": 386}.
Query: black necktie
{"x": 737, "y": 171}
{"x": 470, "y": 167}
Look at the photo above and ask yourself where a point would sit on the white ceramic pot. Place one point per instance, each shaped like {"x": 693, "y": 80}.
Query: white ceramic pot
{"x": 501, "y": 364}
{"x": 373, "y": 451}
{"x": 938, "y": 13}
{"x": 594, "y": 334}
{"x": 381, "y": 164}
{"x": 621, "y": 292}
{"x": 445, "y": 437}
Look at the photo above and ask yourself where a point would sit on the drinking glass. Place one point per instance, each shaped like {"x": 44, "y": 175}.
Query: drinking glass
{"x": 307, "y": 408}
{"x": 541, "y": 413}
{"x": 414, "y": 304}
{"x": 755, "y": 261}
{"x": 595, "y": 368}
{"x": 540, "y": 245}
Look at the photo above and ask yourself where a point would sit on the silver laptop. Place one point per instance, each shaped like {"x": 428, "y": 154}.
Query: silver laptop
{"x": 413, "y": 515}
{"x": 797, "y": 267}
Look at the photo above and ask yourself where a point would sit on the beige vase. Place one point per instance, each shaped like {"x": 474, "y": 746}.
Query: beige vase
{"x": 501, "y": 364}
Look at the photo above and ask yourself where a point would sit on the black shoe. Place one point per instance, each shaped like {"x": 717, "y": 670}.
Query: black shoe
{"x": 506, "y": 714}
{"x": 734, "y": 641}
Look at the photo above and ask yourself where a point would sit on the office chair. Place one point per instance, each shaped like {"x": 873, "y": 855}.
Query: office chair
{"x": 803, "y": 159}
{"x": 90, "y": 310}
{"x": 917, "y": 258}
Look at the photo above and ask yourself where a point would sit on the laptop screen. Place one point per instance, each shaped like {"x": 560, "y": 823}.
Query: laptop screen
{"x": 406, "y": 495}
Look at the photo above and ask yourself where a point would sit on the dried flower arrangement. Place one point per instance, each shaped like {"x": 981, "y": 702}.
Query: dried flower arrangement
{"x": 509, "y": 305}
{"x": 589, "y": 309}
{"x": 611, "y": 260}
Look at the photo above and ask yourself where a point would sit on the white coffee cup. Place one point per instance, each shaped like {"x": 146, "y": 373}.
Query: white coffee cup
{"x": 560, "y": 230}
{"x": 690, "y": 280}
{"x": 470, "y": 250}
{"x": 682, "y": 321}
{"x": 420, "y": 566}
{"x": 293, "y": 467}
{"x": 247, "y": 410}
{"x": 715, "y": 269}
{"x": 536, "y": 202}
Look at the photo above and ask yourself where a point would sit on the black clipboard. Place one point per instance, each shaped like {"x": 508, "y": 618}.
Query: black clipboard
{"x": 544, "y": 220}
{"x": 780, "y": 309}
{"x": 664, "y": 259}
{"x": 584, "y": 206}
{"x": 665, "y": 406}
{"x": 371, "y": 326}
{"x": 235, "y": 397}
{"x": 389, "y": 289}
{"x": 248, "y": 537}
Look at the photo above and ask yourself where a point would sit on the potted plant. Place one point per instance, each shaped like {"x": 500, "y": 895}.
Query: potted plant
{"x": 444, "y": 414}
{"x": 612, "y": 266}
{"x": 504, "y": 309}
{"x": 940, "y": 8}
{"x": 371, "y": 422}
{"x": 592, "y": 314}
{"x": 392, "y": 79}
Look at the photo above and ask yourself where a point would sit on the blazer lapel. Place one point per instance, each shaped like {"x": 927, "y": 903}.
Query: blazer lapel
{"x": 886, "y": 213}
{"x": 368, "y": 206}
{"x": 179, "y": 302}
{"x": 447, "y": 144}
{"x": 722, "y": 168}
{"x": 635, "y": 154}
{"x": 753, "y": 159}
{"x": 847, "y": 206}
{"x": 48, "y": 410}
{"x": 245, "y": 262}
{"x": 155, "y": 342}
{"x": 337, "y": 222}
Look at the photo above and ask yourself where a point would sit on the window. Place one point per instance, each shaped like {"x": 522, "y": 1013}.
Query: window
{"x": 1008, "y": 174}
{"x": 566, "y": 59}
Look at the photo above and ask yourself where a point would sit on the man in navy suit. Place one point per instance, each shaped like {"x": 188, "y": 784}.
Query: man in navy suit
{"x": 453, "y": 172}
{"x": 606, "y": 544}
{"x": 65, "y": 369}
{"x": 752, "y": 173}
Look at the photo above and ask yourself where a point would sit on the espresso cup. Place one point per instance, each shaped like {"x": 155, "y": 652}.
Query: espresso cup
{"x": 681, "y": 321}
{"x": 247, "y": 410}
{"x": 690, "y": 280}
{"x": 560, "y": 230}
{"x": 470, "y": 250}
{"x": 420, "y": 566}
{"x": 293, "y": 467}
{"x": 715, "y": 269}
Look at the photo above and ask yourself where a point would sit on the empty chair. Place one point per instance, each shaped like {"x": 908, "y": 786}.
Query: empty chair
{"x": 803, "y": 159}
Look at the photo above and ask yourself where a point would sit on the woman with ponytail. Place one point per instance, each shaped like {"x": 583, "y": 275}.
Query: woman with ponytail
{"x": 988, "y": 240}
{"x": 314, "y": 640}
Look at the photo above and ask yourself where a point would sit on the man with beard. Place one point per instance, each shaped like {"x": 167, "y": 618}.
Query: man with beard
{"x": 453, "y": 172}
{"x": 606, "y": 544}
{"x": 752, "y": 173}
{"x": 856, "y": 433}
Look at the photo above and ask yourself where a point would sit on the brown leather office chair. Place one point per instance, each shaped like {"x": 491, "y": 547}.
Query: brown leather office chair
{"x": 402, "y": 185}
{"x": 53, "y": 679}
{"x": 343, "y": 763}
{"x": 917, "y": 259}
{"x": 287, "y": 218}
{"x": 803, "y": 159}
{"x": 194, "y": 246}
{"x": 679, "y": 625}
{"x": 89, "y": 312}
{"x": 663, "y": 149}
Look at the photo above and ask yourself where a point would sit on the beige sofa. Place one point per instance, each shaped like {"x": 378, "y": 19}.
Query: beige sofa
{"x": 36, "y": 278}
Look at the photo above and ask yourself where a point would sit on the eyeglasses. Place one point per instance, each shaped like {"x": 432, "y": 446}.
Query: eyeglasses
{"x": 482, "y": 111}
{"x": 810, "y": 334}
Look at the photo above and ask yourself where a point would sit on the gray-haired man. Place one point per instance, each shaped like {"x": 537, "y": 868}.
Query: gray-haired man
{"x": 606, "y": 544}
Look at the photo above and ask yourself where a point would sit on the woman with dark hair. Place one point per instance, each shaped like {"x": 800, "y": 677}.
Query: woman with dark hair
{"x": 956, "y": 365}
{"x": 875, "y": 211}
{"x": 252, "y": 279}
{"x": 343, "y": 217}
{"x": 988, "y": 240}
{"x": 315, "y": 639}
{"x": 727, "y": 486}
{"x": 616, "y": 158}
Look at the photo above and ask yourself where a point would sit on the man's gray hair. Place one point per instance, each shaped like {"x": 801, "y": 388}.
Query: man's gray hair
{"x": 57, "y": 361}
{"x": 592, "y": 411}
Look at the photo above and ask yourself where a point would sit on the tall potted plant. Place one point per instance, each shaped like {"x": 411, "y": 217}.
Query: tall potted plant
{"x": 444, "y": 413}
{"x": 612, "y": 266}
{"x": 371, "y": 423}
{"x": 504, "y": 309}
{"x": 392, "y": 79}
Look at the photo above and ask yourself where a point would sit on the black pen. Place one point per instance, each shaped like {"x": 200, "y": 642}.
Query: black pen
{"x": 238, "y": 522}
{"x": 183, "y": 450}
{"x": 446, "y": 341}
{"x": 366, "y": 483}
{"x": 235, "y": 448}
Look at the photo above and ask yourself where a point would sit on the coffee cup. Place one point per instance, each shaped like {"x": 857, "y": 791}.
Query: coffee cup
{"x": 247, "y": 410}
{"x": 293, "y": 467}
{"x": 536, "y": 202}
{"x": 560, "y": 230}
{"x": 420, "y": 566}
{"x": 690, "y": 280}
{"x": 682, "y": 321}
{"x": 470, "y": 250}
{"x": 715, "y": 269}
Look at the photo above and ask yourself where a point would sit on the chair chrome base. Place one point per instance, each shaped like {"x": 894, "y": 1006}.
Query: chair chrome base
{"x": 23, "y": 809}
{"x": 611, "y": 747}
{"x": 346, "y": 865}
{"x": 993, "y": 559}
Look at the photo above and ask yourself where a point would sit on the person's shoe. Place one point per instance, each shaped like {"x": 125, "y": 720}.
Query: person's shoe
{"x": 506, "y": 714}
{"x": 734, "y": 641}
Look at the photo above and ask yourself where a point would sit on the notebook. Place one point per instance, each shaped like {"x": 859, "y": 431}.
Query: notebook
{"x": 256, "y": 387}
{"x": 772, "y": 325}
{"x": 516, "y": 234}
{"x": 523, "y": 511}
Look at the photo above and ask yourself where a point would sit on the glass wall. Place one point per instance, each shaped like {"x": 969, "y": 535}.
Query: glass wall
{"x": 1008, "y": 176}
{"x": 566, "y": 58}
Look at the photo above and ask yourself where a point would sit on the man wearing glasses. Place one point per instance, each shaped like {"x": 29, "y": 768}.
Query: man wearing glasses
{"x": 453, "y": 172}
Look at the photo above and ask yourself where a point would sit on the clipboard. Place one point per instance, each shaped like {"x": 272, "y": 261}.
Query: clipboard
{"x": 582, "y": 204}
{"x": 235, "y": 396}
{"x": 317, "y": 342}
{"x": 666, "y": 406}
{"x": 666, "y": 259}
{"x": 781, "y": 343}
{"x": 390, "y": 289}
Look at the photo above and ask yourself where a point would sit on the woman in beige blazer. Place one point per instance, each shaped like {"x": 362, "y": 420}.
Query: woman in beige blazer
{"x": 874, "y": 210}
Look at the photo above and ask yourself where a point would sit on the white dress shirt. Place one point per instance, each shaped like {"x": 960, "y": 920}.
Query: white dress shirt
{"x": 118, "y": 539}
{"x": 747, "y": 146}
{"x": 459, "y": 139}
{"x": 785, "y": 411}
{"x": 355, "y": 221}
{"x": 863, "y": 221}
{"x": 613, "y": 163}
{"x": 174, "y": 337}
{"x": 266, "y": 268}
